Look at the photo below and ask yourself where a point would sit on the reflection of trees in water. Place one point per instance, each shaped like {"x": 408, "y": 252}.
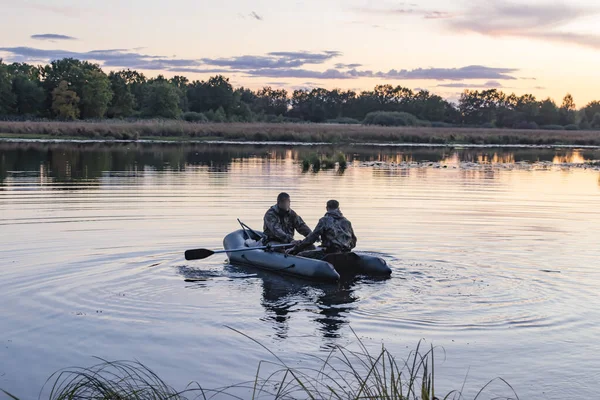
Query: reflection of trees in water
{"x": 78, "y": 161}
{"x": 494, "y": 156}
{"x": 88, "y": 161}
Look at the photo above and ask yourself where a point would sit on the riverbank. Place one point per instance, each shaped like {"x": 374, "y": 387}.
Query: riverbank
{"x": 303, "y": 133}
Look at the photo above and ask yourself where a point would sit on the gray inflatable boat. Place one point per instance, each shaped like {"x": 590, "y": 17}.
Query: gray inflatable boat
{"x": 327, "y": 270}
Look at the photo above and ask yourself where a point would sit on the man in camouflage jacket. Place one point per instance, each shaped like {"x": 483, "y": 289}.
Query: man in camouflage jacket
{"x": 335, "y": 232}
{"x": 281, "y": 222}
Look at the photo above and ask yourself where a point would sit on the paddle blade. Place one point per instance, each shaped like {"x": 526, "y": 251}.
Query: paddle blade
{"x": 198, "y": 254}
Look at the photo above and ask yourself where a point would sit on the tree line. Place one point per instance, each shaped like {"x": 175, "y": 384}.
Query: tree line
{"x": 69, "y": 89}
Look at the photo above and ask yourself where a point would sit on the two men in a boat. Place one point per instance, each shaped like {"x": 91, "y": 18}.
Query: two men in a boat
{"x": 333, "y": 230}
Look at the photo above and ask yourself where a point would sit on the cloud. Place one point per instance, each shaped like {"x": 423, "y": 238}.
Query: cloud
{"x": 278, "y": 65}
{"x": 309, "y": 57}
{"x": 298, "y": 73}
{"x": 464, "y": 85}
{"x": 347, "y": 66}
{"x": 52, "y": 37}
{"x": 256, "y": 16}
{"x": 108, "y": 58}
{"x": 534, "y": 21}
{"x": 405, "y": 10}
{"x": 539, "y": 87}
{"x": 282, "y": 59}
{"x": 438, "y": 15}
{"x": 439, "y": 74}
{"x": 184, "y": 70}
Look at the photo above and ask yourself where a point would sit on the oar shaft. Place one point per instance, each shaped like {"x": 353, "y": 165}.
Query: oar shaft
{"x": 201, "y": 254}
{"x": 275, "y": 246}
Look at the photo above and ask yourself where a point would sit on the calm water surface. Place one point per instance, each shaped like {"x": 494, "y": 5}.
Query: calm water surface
{"x": 501, "y": 268}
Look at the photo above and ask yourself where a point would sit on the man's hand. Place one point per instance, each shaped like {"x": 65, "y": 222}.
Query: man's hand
{"x": 290, "y": 251}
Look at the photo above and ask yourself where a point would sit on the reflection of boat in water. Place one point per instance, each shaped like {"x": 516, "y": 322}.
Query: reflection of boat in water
{"x": 282, "y": 296}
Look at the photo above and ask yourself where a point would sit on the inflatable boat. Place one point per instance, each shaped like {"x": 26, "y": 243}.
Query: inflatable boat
{"x": 327, "y": 270}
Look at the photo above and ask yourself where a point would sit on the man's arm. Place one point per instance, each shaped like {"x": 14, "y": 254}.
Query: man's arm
{"x": 273, "y": 224}
{"x": 354, "y": 240}
{"x": 301, "y": 226}
{"x": 312, "y": 236}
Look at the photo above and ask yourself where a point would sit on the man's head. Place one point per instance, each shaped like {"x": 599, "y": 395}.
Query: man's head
{"x": 283, "y": 201}
{"x": 332, "y": 205}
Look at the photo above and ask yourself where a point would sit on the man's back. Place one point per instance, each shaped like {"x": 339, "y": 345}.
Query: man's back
{"x": 336, "y": 232}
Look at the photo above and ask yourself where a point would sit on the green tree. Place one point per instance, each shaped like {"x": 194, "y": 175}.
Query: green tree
{"x": 271, "y": 101}
{"x": 216, "y": 92}
{"x": 220, "y": 115}
{"x": 242, "y": 111}
{"x": 123, "y": 101}
{"x": 591, "y": 109}
{"x": 548, "y": 113}
{"x": 584, "y": 123}
{"x": 159, "y": 78}
{"x": 96, "y": 94}
{"x": 161, "y": 99}
{"x": 136, "y": 83}
{"x": 31, "y": 72}
{"x": 567, "y": 111}
{"x": 246, "y": 95}
{"x": 79, "y": 75}
{"x": 596, "y": 120}
{"x": 65, "y": 102}
{"x": 527, "y": 108}
{"x": 480, "y": 107}
{"x": 309, "y": 105}
{"x": 7, "y": 98}
{"x": 26, "y": 88}
{"x": 430, "y": 107}
{"x": 68, "y": 69}
{"x": 29, "y": 95}
{"x": 181, "y": 83}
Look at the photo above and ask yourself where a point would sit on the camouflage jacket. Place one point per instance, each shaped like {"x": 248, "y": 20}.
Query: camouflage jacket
{"x": 280, "y": 225}
{"x": 335, "y": 231}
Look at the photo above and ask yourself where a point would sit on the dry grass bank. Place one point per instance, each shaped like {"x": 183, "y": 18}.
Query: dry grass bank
{"x": 295, "y": 132}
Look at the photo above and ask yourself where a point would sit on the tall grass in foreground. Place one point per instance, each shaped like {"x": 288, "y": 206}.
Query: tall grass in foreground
{"x": 344, "y": 374}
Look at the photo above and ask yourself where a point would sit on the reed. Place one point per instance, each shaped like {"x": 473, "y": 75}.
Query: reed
{"x": 344, "y": 374}
{"x": 317, "y": 162}
{"x": 293, "y": 132}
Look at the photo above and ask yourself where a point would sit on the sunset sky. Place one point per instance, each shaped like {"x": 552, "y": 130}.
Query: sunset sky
{"x": 543, "y": 47}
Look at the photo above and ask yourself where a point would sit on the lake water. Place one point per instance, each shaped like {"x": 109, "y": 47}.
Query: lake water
{"x": 498, "y": 265}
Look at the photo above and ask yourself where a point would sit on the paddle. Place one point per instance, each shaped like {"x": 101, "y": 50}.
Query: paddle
{"x": 257, "y": 236}
{"x": 201, "y": 254}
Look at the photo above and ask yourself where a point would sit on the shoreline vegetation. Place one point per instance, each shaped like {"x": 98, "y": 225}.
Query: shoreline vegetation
{"x": 73, "y": 90}
{"x": 343, "y": 374}
{"x": 177, "y": 130}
